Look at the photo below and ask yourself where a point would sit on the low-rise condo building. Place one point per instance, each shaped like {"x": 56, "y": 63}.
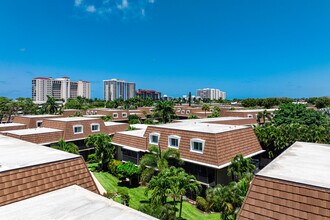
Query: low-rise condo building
{"x": 295, "y": 185}
{"x": 206, "y": 148}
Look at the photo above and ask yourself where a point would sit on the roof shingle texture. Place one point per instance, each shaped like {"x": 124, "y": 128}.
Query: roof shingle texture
{"x": 269, "y": 198}
{"x": 26, "y": 182}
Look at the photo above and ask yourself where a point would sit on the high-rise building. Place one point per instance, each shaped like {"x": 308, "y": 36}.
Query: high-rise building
{"x": 131, "y": 90}
{"x": 41, "y": 87}
{"x": 148, "y": 93}
{"x": 73, "y": 90}
{"x": 210, "y": 94}
{"x": 118, "y": 89}
{"x": 84, "y": 89}
{"x": 59, "y": 88}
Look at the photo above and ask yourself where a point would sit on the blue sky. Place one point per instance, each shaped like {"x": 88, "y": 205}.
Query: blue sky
{"x": 247, "y": 48}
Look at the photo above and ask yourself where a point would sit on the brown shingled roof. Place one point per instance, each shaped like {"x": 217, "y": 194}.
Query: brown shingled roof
{"x": 278, "y": 199}
{"x": 26, "y": 182}
{"x": 295, "y": 185}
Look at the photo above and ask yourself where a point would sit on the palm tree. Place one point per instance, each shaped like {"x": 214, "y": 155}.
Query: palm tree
{"x": 160, "y": 187}
{"x": 205, "y": 107}
{"x": 165, "y": 110}
{"x": 50, "y": 106}
{"x": 181, "y": 184}
{"x": 104, "y": 151}
{"x": 156, "y": 161}
{"x": 264, "y": 115}
{"x": 240, "y": 167}
{"x": 68, "y": 147}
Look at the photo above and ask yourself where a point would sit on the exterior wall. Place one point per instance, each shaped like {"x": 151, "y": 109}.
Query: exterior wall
{"x": 222, "y": 177}
{"x": 52, "y": 137}
{"x": 10, "y": 128}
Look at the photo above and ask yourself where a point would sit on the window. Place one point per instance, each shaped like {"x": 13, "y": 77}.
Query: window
{"x": 188, "y": 112}
{"x": 250, "y": 116}
{"x": 173, "y": 141}
{"x": 124, "y": 114}
{"x": 197, "y": 145}
{"x": 183, "y": 111}
{"x": 38, "y": 124}
{"x": 95, "y": 127}
{"x": 115, "y": 115}
{"x": 78, "y": 129}
{"x": 178, "y": 110}
{"x": 154, "y": 138}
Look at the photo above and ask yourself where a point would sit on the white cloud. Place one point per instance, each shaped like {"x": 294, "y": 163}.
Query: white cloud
{"x": 90, "y": 8}
{"x": 77, "y": 2}
{"x": 126, "y": 9}
{"x": 123, "y": 5}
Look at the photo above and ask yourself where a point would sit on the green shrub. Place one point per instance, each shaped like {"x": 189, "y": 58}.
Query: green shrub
{"x": 113, "y": 165}
{"x": 201, "y": 203}
{"x": 93, "y": 166}
{"x": 148, "y": 121}
{"x": 128, "y": 170}
{"x": 92, "y": 158}
{"x": 123, "y": 193}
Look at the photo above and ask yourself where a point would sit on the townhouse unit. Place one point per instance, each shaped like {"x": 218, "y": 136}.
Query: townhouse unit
{"x": 70, "y": 129}
{"x": 116, "y": 114}
{"x": 183, "y": 111}
{"x": 12, "y": 126}
{"x": 221, "y": 120}
{"x": 206, "y": 148}
{"x": 28, "y": 170}
{"x": 33, "y": 121}
{"x": 37, "y": 182}
{"x": 248, "y": 113}
{"x": 296, "y": 185}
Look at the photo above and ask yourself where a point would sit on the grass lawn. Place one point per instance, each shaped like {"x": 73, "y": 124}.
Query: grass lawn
{"x": 110, "y": 184}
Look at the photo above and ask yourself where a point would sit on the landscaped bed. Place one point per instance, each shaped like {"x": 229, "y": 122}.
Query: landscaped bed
{"x": 137, "y": 197}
